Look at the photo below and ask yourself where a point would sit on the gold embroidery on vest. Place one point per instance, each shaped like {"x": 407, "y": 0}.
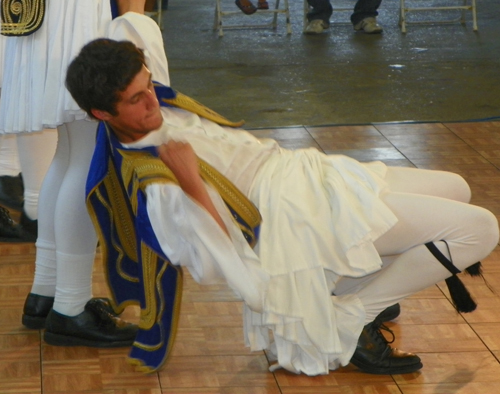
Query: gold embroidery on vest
{"x": 21, "y": 17}
{"x": 149, "y": 264}
{"x": 185, "y": 102}
{"x": 121, "y": 216}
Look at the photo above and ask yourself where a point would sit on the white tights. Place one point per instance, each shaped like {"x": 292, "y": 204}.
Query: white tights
{"x": 36, "y": 151}
{"x": 431, "y": 206}
{"x": 66, "y": 237}
{"x": 9, "y": 160}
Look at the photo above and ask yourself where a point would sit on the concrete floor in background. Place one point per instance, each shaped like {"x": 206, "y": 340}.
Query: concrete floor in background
{"x": 442, "y": 72}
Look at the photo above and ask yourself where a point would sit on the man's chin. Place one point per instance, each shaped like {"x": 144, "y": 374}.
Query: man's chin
{"x": 155, "y": 124}
{"x": 158, "y": 124}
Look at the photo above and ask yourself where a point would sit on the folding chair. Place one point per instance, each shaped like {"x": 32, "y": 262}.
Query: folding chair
{"x": 157, "y": 14}
{"x": 220, "y": 14}
{"x": 338, "y": 9}
{"x": 466, "y": 5}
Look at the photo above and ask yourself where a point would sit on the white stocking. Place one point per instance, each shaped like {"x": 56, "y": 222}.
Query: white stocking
{"x": 470, "y": 231}
{"x": 69, "y": 228}
{"x": 75, "y": 236}
{"x": 9, "y": 160}
{"x": 36, "y": 151}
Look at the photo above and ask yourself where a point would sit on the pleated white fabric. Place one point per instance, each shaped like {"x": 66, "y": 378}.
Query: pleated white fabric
{"x": 35, "y": 66}
{"x": 321, "y": 215}
{"x": 2, "y": 50}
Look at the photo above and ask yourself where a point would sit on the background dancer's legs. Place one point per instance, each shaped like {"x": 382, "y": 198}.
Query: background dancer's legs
{"x": 66, "y": 251}
{"x": 36, "y": 151}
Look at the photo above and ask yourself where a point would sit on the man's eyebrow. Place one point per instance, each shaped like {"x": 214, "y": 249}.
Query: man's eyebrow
{"x": 139, "y": 93}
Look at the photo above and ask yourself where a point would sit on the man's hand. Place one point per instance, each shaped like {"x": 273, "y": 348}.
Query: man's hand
{"x": 183, "y": 162}
{"x": 181, "y": 159}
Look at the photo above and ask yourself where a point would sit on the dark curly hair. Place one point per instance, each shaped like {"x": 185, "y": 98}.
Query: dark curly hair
{"x": 102, "y": 70}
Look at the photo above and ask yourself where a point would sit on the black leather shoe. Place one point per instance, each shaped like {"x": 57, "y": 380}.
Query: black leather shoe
{"x": 94, "y": 327}
{"x": 37, "y": 307}
{"x": 374, "y": 355}
{"x": 12, "y": 192}
{"x": 28, "y": 228}
{"x": 35, "y": 311}
{"x": 389, "y": 313}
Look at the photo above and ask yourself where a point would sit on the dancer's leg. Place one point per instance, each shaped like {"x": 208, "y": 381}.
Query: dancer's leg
{"x": 36, "y": 151}
{"x": 471, "y": 233}
{"x": 9, "y": 160}
{"x": 44, "y": 282}
{"x": 75, "y": 236}
{"x": 429, "y": 182}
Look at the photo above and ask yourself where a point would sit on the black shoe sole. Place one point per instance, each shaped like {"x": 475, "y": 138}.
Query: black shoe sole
{"x": 33, "y": 322}
{"x": 64, "y": 340}
{"x": 387, "y": 371}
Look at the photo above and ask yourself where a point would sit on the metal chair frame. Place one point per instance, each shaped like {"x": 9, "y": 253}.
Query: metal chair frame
{"x": 220, "y": 14}
{"x": 404, "y": 9}
{"x": 157, "y": 14}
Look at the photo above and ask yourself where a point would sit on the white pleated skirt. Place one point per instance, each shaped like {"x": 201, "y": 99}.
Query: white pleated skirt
{"x": 33, "y": 93}
{"x": 2, "y": 50}
{"x": 321, "y": 215}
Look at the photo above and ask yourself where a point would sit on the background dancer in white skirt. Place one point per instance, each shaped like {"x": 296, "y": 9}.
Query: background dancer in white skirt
{"x": 11, "y": 191}
{"x": 370, "y": 234}
{"x": 34, "y": 151}
{"x": 34, "y": 99}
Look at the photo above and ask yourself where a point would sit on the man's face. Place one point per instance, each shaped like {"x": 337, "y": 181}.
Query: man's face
{"x": 138, "y": 110}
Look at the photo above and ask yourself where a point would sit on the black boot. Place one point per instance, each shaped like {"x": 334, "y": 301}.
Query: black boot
{"x": 12, "y": 192}
{"x": 35, "y": 311}
{"x": 37, "y": 307}
{"x": 94, "y": 327}
{"x": 374, "y": 355}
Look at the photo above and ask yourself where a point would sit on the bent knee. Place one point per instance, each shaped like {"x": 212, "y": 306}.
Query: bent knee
{"x": 487, "y": 226}
{"x": 459, "y": 188}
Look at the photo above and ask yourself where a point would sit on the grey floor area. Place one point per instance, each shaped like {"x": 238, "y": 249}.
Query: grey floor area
{"x": 440, "y": 72}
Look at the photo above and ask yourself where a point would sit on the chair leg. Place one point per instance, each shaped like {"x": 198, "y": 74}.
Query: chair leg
{"x": 159, "y": 5}
{"x": 287, "y": 16}
{"x": 306, "y": 10}
{"x": 474, "y": 17}
{"x": 402, "y": 15}
{"x": 275, "y": 16}
{"x": 218, "y": 18}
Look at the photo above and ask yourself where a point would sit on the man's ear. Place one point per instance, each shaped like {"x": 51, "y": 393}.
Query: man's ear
{"x": 101, "y": 115}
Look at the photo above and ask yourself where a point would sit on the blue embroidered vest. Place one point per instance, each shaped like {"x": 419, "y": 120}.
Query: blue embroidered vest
{"x": 137, "y": 270}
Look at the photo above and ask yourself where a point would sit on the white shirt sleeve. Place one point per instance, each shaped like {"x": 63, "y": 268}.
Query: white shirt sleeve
{"x": 145, "y": 34}
{"x": 190, "y": 237}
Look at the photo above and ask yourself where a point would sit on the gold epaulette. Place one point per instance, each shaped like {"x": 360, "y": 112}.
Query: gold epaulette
{"x": 185, "y": 102}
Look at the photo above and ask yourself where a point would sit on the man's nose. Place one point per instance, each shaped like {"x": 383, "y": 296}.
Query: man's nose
{"x": 151, "y": 98}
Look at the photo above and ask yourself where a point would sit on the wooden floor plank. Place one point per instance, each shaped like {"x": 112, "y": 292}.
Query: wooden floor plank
{"x": 460, "y": 352}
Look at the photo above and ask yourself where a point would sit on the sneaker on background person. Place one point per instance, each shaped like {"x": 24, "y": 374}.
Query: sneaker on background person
{"x": 369, "y": 26}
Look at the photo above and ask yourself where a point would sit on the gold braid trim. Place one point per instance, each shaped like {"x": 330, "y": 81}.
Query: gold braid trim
{"x": 185, "y": 102}
{"x": 21, "y": 17}
{"x": 148, "y": 314}
{"x": 230, "y": 194}
{"x": 149, "y": 169}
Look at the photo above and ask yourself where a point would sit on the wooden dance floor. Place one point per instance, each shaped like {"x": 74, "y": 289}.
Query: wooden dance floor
{"x": 460, "y": 353}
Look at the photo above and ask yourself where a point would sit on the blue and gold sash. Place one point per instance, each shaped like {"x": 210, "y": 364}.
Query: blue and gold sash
{"x": 136, "y": 268}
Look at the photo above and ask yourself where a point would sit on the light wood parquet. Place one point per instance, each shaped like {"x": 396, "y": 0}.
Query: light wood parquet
{"x": 460, "y": 352}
